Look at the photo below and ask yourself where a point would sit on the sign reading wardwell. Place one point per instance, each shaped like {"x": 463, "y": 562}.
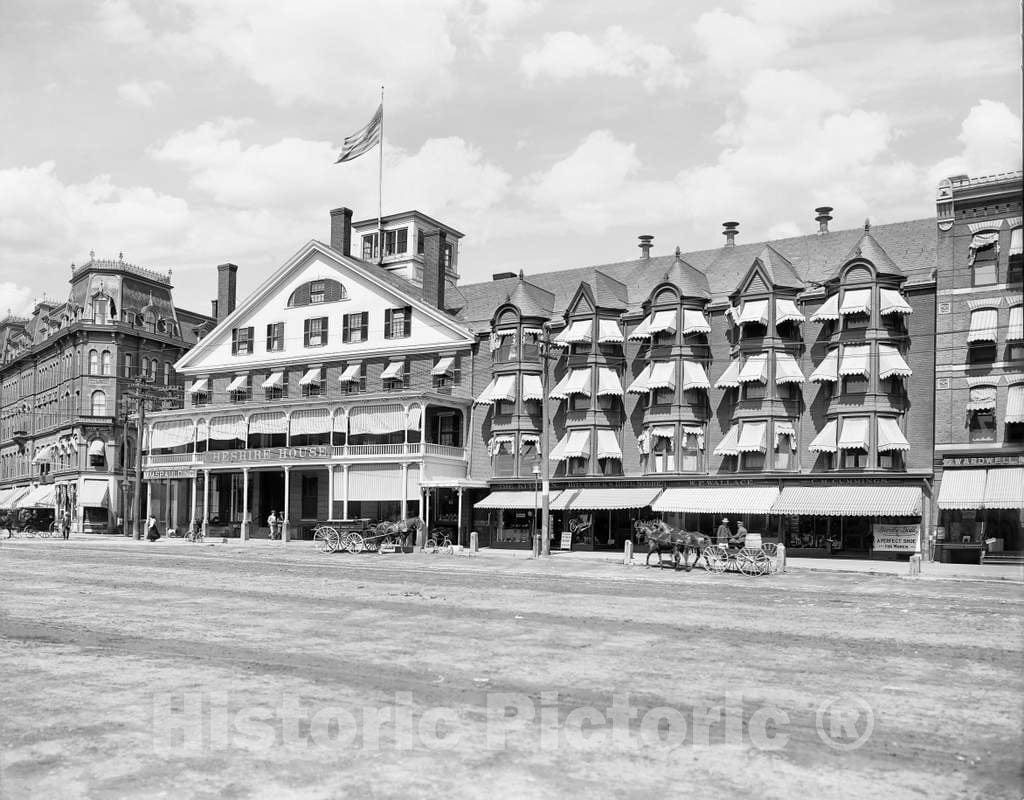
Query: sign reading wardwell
{"x": 896, "y": 538}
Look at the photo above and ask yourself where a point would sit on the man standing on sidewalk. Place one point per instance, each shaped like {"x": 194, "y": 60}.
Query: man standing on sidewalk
{"x": 65, "y": 525}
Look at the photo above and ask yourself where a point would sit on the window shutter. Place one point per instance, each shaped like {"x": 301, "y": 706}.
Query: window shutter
{"x": 408, "y": 321}
{"x": 387, "y": 323}
{"x": 234, "y": 342}
{"x": 270, "y": 337}
{"x": 365, "y": 324}
{"x": 251, "y": 338}
{"x": 305, "y": 332}
{"x": 323, "y": 331}
{"x": 346, "y": 328}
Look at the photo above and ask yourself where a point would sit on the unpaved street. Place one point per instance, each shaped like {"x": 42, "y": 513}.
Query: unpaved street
{"x": 401, "y": 676}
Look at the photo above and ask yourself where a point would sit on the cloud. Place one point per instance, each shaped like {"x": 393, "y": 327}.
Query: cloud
{"x": 120, "y": 23}
{"x": 141, "y": 93}
{"x": 618, "y": 53}
{"x": 17, "y": 299}
{"x": 991, "y": 138}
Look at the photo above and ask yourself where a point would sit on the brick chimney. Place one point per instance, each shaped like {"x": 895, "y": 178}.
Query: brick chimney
{"x": 645, "y": 245}
{"x": 433, "y": 267}
{"x": 227, "y": 278}
{"x": 824, "y": 215}
{"x": 341, "y": 230}
{"x": 731, "y": 229}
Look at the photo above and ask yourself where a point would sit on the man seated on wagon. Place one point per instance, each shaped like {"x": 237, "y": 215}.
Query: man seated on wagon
{"x": 739, "y": 539}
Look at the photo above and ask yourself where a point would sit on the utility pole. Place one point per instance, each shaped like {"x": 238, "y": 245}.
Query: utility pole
{"x": 545, "y": 424}
{"x": 142, "y": 393}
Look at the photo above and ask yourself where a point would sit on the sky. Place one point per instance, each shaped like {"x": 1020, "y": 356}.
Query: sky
{"x": 188, "y": 133}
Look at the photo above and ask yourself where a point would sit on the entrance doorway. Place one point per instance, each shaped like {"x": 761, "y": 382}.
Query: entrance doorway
{"x": 269, "y": 490}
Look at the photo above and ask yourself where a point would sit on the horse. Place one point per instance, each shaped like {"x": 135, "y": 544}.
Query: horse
{"x": 660, "y": 536}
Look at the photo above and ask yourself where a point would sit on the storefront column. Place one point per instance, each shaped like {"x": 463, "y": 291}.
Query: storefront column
{"x": 149, "y": 499}
{"x": 206, "y": 499}
{"x": 330, "y": 492}
{"x": 458, "y": 526}
{"x": 344, "y": 492}
{"x": 405, "y": 483}
{"x": 167, "y": 505}
{"x": 287, "y": 503}
{"x": 243, "y": 533}
{"x": 426, "y": 515}
{"x": 192, "y": 503}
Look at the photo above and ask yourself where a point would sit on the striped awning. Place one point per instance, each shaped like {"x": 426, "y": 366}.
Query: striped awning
{"x": 610, "y": 499}
{"x": 984, "y": 325}
{"x": 890, "y": 437}
{"x": 94, "y": 494}
{"x": 577, "y": 332}
{"x": 171, "y": 434}
{"x": 849, "y": 501}
{"x": 786, "y": 311}
{"x": 640, "y": 382}
{"x": 891, "y": 363}
{"x": 825, "y": 441}
{"x": 42, "y": 496}
{"x": 755, "y": 369}
{"x": 501, "y": 387}
{"x": 663, "y": 322}
{"x": 855, "y": 360}
{"x": 856, "y": 301}
{"x": 829, "y": 311}
{"x": 10, "y": 497}
{"x": 575, "y": 381}
{"x": 392, "y": 372}
{"x": 1015, "y": 330}
{"x": 1003, "y": 488}
{"x": 754, "y": 311}
{"x": 663, "y": 375}
{"x": 268, "y": 424}
{"x": 609, "y": 332}
{"x": 962, "y": 488}
{"x": 274, "y": 380}
{"x": 694, "y": 376}
{"x": 514, "y": 500}
{"x": 608, "y": 383}
{"x": 444, "y": 366}
{"x": 828, "y": 370}
{"x": 575, "y": 444}
{"x": 533, "y": 389}
{"x": 786, "y": 369}
{"x": 608, "y": 444}
{"x": 1015, "y": 403}
{"x": 854, "y": 434}
{"x": 199, "y": 386}
{"x": 694, "y": 321}
{"x": 42, "y": 455}
{"x": 238, "y": 383}
{"x": 730, "y": 378}
{"x": 752, "y": 437}
{"x": 351, "y": 373}
{"x": 312, "y": 375}
{"x": 717, "y": 499}
{"x": 728, "y": 445}
{"x": 892, "y": 302}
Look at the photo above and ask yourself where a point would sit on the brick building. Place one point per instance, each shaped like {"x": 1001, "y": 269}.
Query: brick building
{"x": 63, "y": 371}
{"x": 979, "y": 355}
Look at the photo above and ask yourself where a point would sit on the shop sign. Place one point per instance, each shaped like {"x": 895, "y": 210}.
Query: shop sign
{"x": 165, "y": 474}
{"x": 566, "y": 543}
{"x": 265, "y": 454}
{"x": 896, "y": 538}
{"x": 981, "y": 461}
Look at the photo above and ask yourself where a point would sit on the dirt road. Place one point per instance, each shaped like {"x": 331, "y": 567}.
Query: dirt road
{"x": 137, "y": 670}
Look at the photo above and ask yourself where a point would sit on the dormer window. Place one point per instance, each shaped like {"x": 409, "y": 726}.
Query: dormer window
{"x": 396, "y": 242}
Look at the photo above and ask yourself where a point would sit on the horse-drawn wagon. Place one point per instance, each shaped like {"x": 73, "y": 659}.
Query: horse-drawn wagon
{"x": 753, "y": 558}
{"x": 366, "y": 536}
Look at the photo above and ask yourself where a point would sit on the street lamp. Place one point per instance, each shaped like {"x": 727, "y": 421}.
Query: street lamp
{"x": 536, "y": 486}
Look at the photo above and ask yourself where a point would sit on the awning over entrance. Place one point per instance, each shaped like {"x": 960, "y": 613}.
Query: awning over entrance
{"x": 962, "y": 488}
{"x": 42, "y": 496}
{"x": 850, "y": 501}
{"x": 717, "y": 499}
{"x": 1004, "y": 488}
{"x": 8, "y": 497}
{"x": 512, "y": 500}
{"x": 610, "y": 499}
{"x": 94, "y": 494}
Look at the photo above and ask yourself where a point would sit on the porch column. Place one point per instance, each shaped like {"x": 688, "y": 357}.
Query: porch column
{"x": 330, "y": 491}
{"x": 287, "y": 503}
{"x": 458, "y": 527}
{"x": 405, "y": 486}
{"x": 243, "y": 534}
{"x": 405, "y": 447}
{"x": 426, "y": 517}
{"x": 206, "y": 499}
{"x": 344, "y": 491}
{"x": 167, "y": 504}
{"x": 192, "y": 501}
{"x": 149, "y": 499}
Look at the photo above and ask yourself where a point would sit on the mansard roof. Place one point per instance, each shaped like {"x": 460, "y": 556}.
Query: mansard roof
{"x": 689, "y": 280}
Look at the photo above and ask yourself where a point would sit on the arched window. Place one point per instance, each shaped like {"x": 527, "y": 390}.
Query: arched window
{"x": 324, "y": 290}
{"x": 94, "y": 362}
{"x": 107, "y": 363}
{"x": 99, "y": 403}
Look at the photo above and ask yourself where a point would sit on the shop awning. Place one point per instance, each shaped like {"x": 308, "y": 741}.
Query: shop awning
{"x": 786, "y": 311}
{"x": 1004, "y": 488}
{"x": 97, "y": 447}
{"x": 786, "y": 369}
{"x": 560, "y": 500}
{"x": 717, "y": 499}
{"x": 577, "y": 332}
{"x": 663, "y": 322}
{"x": 274, "y": 380}
{"x": 663, "y": 375}
{"x": 892, "y": 302}
{"x": 694, "y": 321}
{"x": 351, "y": 373}
{"x": 575, "y": 381}
{"x": 608, "y": 383}
{"x": 608, "y": 444}
{"x": 694, "y": 376}
{"x": 855, "y": 360}
{"x": 825, "y": 441}
{"x": 828, "y": 370}
{"x": 239, "y": 382}
{"x": 729, "y": 379}
{"x": 94, "y": 494}
{"x": 755, "y": 369}
{"x": 575, "y": 444}
{"x": 891, "y": 363}
{"x": 640, "y": 382}
{"x": 962, "y": 488}
{"x": 1015, "y": 403}
{"x": 42, "y": 496}
{"x": 198, "y": 386}
{"x": 890, "y": 437}
{"x": 612, "y": 499}
{"x": 850, "y": 501}
{"x": 1015, "y": 330}
{"x": 829, "y": 311}
{"x": 752, "y": 437}
{"x": 728, "y": 445}
{"x": 514, "y": 500}
{"x": 392, "y": 372}
{"x": 856, "y": 301}
{"x": 853, "y": 433}
{"x": 42, "y": 455}
{"x": 609, "y": 332}
{"x": 444, "y": 366}
{"x": 754, "y": 311}
{"x": 10, "y": 497}
{"x": 533, "y": 388}
{"x": 984, "y": 324}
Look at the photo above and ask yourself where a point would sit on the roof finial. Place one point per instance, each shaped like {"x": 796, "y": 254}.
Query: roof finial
{"x": 679, "y": 253}
{"x": 867, "y": 224}
{"x": 92, "y": 255}
{"x": 72, "y": 266}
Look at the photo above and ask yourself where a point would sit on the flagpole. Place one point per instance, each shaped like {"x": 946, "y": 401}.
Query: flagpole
{"x": 380, "y": 185}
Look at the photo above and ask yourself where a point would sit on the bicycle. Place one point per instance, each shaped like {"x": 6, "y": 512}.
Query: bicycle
{"x": 196, "y": 535}
{"x": 444, "y": 547}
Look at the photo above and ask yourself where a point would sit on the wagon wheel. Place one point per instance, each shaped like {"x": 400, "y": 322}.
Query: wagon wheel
{"x": 771, "y": 552}
{"x": 431, "y": 545}
{"x": 751, "y": 561}
{"x": 716, "y": 558}
{"x": 326, "y": 539}
{"x": 355, "y": 543}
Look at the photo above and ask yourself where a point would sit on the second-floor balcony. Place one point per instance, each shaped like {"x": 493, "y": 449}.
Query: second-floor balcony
{"x": 255, "y": 456}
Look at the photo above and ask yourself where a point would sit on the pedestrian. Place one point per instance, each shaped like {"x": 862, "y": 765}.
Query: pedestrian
{"x": 272, "y": 523}
{"x": 65, "y": 525}
{"x": 723, "y": 534}
{"x": 152, "y": 532}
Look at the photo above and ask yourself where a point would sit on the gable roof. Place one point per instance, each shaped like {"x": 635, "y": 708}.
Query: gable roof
{"x": 690, "y": 281}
